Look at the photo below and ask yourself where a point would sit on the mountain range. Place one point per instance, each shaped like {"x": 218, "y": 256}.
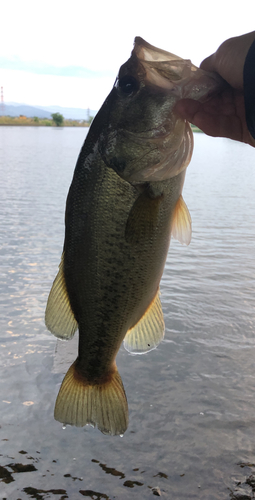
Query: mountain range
{"x": 16, "y": 109}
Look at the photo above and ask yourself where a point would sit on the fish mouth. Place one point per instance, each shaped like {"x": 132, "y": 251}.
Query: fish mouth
{"x": 176, "y": 75}
{"x": 176, "y": 78}
{"x": 162, "y": 68}
{"x": 156, "y": 144}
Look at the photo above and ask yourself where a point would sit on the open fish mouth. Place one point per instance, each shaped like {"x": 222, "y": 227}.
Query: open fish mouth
{"x": 162, "y": 68}
{"x": 178, "y": 76}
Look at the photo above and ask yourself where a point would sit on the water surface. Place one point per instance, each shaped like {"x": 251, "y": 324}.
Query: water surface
{"x": 192, "y": 400}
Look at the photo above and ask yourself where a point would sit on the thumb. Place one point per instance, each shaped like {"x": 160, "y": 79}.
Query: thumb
{"x": 208, "y": 64}
{"x": 187, "y": 109}
{"x": 228, "y": 60}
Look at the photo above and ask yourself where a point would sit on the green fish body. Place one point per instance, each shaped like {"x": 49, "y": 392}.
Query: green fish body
{"x": 123, "y": 205}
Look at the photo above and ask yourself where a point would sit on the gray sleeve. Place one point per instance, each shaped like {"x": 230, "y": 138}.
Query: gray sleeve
{"x": 249, "y": 88}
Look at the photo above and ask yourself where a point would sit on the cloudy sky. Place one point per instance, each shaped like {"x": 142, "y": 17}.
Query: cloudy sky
{"x": 68, "y": 53}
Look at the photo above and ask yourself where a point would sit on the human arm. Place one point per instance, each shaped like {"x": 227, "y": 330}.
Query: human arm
{"x": 230, "y": 113}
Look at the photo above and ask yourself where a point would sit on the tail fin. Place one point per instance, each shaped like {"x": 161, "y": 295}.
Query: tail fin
{"x": 80, "y": 403}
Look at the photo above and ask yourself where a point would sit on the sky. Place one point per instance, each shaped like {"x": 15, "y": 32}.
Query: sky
{"x": 68, "y": 53}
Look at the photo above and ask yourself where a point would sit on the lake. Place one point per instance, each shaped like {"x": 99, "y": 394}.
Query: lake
{"x": 191, "y": 431}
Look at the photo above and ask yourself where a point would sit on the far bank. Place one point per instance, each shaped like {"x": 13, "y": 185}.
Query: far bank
{"x": 40, "y": 122}
{"x": 46, "y": 122}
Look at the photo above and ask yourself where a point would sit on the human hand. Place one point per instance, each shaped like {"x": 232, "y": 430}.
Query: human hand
{"x": 223, "y": 115}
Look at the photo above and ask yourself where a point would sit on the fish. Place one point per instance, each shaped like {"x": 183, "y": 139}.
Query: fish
{"x": 124, "y": 204}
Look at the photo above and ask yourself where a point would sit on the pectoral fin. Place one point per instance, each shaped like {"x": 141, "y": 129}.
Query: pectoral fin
{"x": 181, "y": 228}
{"x": 142, "y": 219}
{"x": 59, "y": 317}
{"x": 148, "y": 332}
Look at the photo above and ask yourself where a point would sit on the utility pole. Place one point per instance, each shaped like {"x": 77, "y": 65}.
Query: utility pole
{"x": 2, "y": 101}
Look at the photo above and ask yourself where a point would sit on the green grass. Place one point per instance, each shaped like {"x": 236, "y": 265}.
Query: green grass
{"x": 195, "y": 129}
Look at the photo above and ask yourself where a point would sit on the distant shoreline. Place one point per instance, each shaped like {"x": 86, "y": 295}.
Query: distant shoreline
{"x": 23, "y": 121}
{"x": 46, "y": 122}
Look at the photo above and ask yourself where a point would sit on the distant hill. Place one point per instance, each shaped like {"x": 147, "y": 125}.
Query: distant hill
{"x": 71, "y": 113}
{"x": 23, "y": 109}
{"x": 15, "y": 109}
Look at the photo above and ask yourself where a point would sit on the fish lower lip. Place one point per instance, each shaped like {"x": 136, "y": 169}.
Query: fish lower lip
{"x": 161, "y": 134}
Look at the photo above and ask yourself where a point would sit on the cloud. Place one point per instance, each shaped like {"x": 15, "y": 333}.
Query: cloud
{"x": 40, "y": 68}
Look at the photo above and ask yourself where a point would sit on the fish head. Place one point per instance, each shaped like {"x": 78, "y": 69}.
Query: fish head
{"x": 143, "y": 139}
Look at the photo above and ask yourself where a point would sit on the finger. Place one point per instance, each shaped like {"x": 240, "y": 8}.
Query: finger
{"x": 208, "y": 64}
{"x": 215, "y": 125}
{"x": 187, "y": 109}
{"x": 194, "y": 112}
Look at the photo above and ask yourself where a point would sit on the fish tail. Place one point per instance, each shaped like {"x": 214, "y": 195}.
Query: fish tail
{"x": 79, "y": 402}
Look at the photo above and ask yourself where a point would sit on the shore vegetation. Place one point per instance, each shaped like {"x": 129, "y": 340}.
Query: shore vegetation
{"x": 41, "y": 122}
{"x": 48, "y": 122}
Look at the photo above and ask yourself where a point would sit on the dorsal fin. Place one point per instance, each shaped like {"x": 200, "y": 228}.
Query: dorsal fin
{"x": 148, "y": 332}
{"x": 181, "y": 228}
{"x": 59, "y": 317}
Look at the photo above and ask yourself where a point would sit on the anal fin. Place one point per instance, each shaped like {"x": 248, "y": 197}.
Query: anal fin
{"x": 148, "y": 332}
{"x": 59, "y": 317}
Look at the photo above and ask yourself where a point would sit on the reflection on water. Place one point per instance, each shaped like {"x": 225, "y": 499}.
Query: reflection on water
{"x": 191, "y": 401}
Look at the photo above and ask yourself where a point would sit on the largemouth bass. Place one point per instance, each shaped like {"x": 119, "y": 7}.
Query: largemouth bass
{"x": 124, "y": 202}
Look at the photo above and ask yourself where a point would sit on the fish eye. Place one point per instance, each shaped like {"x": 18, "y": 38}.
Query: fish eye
{"x": 128, "y": 84}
